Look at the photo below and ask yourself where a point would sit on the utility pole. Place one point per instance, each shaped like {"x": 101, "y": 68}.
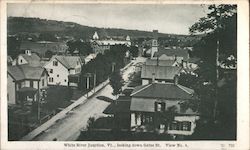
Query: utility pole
{"x": 88, "y": 75}
{"x": 217, "y": 30}
{"x": 94, "y": 81}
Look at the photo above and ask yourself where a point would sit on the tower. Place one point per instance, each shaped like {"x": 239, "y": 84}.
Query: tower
{"x": 154, "y": 47}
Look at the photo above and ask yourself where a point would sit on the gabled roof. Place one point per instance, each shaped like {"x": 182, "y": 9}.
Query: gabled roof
{"x": 68, "y": 61}
{"x": 122, "y": 105}
{"x": 21, "y": 72}
{"x": 33, "y": 59}
{"x": 173, "y": 52}
{"x": 169, "y": 91}
{"x": 160, "y": 62}
{"x": 161, "y": 72}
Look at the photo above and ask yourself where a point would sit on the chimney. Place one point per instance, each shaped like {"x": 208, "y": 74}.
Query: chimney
{"x": 28, "y": 52}
{"x": 153, "y": 77}
{"x": 176, "y": 79}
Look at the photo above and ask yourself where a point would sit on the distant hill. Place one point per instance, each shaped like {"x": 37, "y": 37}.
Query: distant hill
{"x": 21, "y": 25}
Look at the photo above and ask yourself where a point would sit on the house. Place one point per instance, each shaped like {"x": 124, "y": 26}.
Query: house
{"x": 29, "y": 58}
{"x": 178, "y": 54}
{"x": 9, "y": 61}
{"x": 64, "y": 70}
{"x": 163, "y": 107}
{"x": 25, "y": 83}
{"x": 89, "y": 57}
{"x": 120, "y": 110}
{"x": 159, "y": 73}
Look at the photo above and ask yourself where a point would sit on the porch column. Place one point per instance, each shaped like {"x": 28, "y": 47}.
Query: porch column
{"x": 133, "y": 120}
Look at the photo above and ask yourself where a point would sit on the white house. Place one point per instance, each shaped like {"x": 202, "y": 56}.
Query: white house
{"x": 62, "y": 68}
{"x": 148, "y": 101}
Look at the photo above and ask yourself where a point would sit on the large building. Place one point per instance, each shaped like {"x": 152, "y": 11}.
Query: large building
{"x": 100, "y": 45}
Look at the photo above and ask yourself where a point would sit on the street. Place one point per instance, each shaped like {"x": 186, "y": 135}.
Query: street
{"x": 68, "y": 128}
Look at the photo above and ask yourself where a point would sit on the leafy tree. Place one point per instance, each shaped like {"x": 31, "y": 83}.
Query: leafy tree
{"x": 49, "y": 54}
{"x": 220, "y": 28}
{"x": 83, "y": 48}
{"x": 13, "y": 46}
{"x": 134, "y": 51}
{"x": 116, "y": 82}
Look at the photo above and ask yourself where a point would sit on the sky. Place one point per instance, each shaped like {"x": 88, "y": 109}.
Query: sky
{"x": 167, "y": 18}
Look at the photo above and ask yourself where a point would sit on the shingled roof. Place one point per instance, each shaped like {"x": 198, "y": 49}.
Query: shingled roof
{"x": 33, "y": 59}
{"x": 168, "y": 91}
{"x": 173, "y": 52}
{"x": 68, "y": 61}
{"x": 21, "y": 72}
{"x": 159, "y": 62}
{"x": 161, "y": 72}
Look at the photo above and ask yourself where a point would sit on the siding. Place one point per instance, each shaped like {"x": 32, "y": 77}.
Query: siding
{"x": 57, "y": 70}
{"x": 11, "y": 97}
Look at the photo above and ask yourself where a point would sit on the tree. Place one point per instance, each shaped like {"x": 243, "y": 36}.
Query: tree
{"x": 219, "y": 42}
{"x": 82, "y": 48}
{"x": 13, "y": 46}
{"x": 49, "y": 54}
{"x": 116, "y": 82}
{"x": 134, "y": 51}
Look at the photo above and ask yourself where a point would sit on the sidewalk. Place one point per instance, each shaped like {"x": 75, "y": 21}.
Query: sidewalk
{"x": 64, "y": 112}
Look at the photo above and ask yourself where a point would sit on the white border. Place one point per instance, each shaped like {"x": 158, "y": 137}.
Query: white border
{"x": 242, "y": 142}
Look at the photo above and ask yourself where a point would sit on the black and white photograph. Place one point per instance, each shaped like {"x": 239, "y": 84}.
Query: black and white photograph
{"x": 122, "y": 72}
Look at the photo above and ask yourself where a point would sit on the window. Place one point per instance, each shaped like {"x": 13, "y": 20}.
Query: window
{"x": 183, "y": 126}
{"x": 160, "y": 106}
{"x": 50, "y": 79}
{"x": 58, "y": 75}
{"x": 21, "y": 60}
{"x": 55, "y": 63}
{"x": 186, "y": 126}
{"x": 65, "y": 80}
{"x": 31, "y": 83}
{"x": 42, "y": 82}
{"x": 51, "y": 71}
{"x": 77, "y": 63}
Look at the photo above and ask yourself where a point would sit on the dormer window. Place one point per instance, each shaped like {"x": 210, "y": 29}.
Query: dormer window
{"x": 55, "y": 63}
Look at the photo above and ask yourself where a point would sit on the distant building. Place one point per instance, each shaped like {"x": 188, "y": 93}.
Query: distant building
{"x": 25, "y": 83}
{"x": 159, "y": 98}
{"x": 100, "y": 45}
{"x": 162, "y": 71}
{"x": 64, "y": 70}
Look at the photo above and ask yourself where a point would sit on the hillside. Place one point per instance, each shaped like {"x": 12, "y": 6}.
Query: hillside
{"x": 21, "y": 25}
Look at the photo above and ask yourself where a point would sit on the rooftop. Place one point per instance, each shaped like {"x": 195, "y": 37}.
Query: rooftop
{"x": 161, "y": 72}
{"x": 21, "y": 72}
{"x": 168, "y": 91}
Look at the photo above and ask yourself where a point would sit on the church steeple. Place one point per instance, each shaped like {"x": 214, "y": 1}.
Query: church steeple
{"x": 154, "y": 47}
{"x": 95, "y": 36}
